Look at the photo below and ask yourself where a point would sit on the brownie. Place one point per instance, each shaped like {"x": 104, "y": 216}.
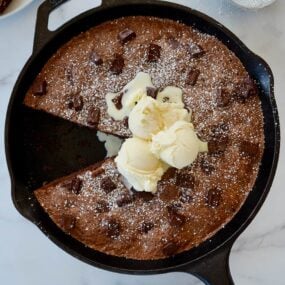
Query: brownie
{"x": 190, "y": 205}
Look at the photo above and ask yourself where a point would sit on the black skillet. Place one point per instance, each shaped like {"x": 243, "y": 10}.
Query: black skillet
{"x": 40, "y": 147}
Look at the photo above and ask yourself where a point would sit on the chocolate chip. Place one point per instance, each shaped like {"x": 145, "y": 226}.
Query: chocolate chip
{"x": 152, "y": 92}
{"x": 126, "y": 35}
{"x": 93, "y": 116}
{"x": 74, "y": 185}
{"x": 76, "y": 103}
{"x": 186, "y": 195}
{"x": 185, "y": 179}
{"x": 169, "y": 193}
{"x": 117, "y": 64}
{"x": 118, "y": 101}
{"x": 250, "y": 150}
{"x": 145, "y": 227}
{"x": 102, "y": 207}
{"x": 145, "y": 196}
{"x": 67, "y": 222}
{"x": 214, "y": 197}
{"x": 170, "y": 248}
{"x": 39, "y": 88}
{"x": 223, "y": 97}
{"x": 95, "y": 58}
{"x": 107, "y": 185}
{"x": 206, "y": 166}
{"x": 218, "y": 145}
{"x": 153, "y": 53}
{"x": 192, "y": 77}
{"x": 173, "y": 42}
{"x": 124, "y": 200}
{"x": 112, "y": 228}
{"x": 169, "y": 174}
{"x": 195, "y": 50}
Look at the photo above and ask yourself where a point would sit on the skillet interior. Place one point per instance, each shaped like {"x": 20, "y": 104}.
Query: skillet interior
{"x": 41, "y": 148}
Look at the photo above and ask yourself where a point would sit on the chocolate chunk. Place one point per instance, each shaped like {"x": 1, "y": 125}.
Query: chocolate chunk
{"x": 218, "y": 145}
{"x": 93, "y": 116}
{"x": 118, "y": 101}
{"x": 126, "y": 35}
{"x": 195, "y": 50}
{"x": 95, "y": 58}
{"x": 192, "y": 77}
{"x": 107, "y": 185}
{"x": 169, "y": 174}
{"x": 186, "y": 195}
{"x": 152, "y": 92}
{"x": 206, "y": 166}
{"x": 245, "y": 90}
{"x": 124, "y": 200}
{"x": 153, "y": 53}
{"x": 76, "y": 103}
{"x": 145, "y": 227}
{"x": 145, "y": 196}
{"x": 175, "y": 218}
{"x": 185, "y": 179}
{"x": 112, "y": 227}
{"x": 74, "y": 185}
{"x": 102, "y": 207}
{"x": 223, "y": 97}
{"x": 250, "y": 150}
{"x": 174, "y": 43}
{"x": 67, "y": 222}
{"x": 170, "y": 248}
{"x": 174, "y": 207}
{"x": 117, "y": 64}
{"x": 39, "y": 88}
{"x": 126, "y": 122}
{"x": 214, "y": 197}
{"x": 69, "y": 75}
{"x": 169, "y": 193}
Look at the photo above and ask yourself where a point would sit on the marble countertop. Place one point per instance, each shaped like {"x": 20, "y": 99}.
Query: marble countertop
{"x": 27, "y": 257}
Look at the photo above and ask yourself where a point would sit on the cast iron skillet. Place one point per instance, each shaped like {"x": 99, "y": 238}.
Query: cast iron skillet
{"x": 40, "y": 147}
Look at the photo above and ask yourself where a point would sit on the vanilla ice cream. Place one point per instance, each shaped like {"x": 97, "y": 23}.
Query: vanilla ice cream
{"x": 145, "y": 119}
{"x": 139, "y": 166}
{"x": 150, "y": 116}
{"x": 163, "y": 135}
{"x": 131, "y": 94}
{"x": 178, "y": 145}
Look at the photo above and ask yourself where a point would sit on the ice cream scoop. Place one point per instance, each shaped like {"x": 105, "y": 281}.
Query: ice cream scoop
{"x": 139, "y": 165}
{"x": 178, "y": 145}
{"x": 150, "y": 116}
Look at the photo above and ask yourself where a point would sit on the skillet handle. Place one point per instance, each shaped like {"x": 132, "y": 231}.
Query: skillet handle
{"x": 214, "y": 268}
{"x": 42, "y": 33}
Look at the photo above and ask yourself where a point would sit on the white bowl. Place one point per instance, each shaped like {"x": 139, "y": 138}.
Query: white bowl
{"x": 253, "y": 4}
{"x": 14, "y": 7}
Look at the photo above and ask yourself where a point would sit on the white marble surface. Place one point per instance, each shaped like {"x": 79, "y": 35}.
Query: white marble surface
{"x": 27, "y": 257}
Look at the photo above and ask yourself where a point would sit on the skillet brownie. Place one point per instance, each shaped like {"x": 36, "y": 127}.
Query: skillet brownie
{"x": 190, "y": 205}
